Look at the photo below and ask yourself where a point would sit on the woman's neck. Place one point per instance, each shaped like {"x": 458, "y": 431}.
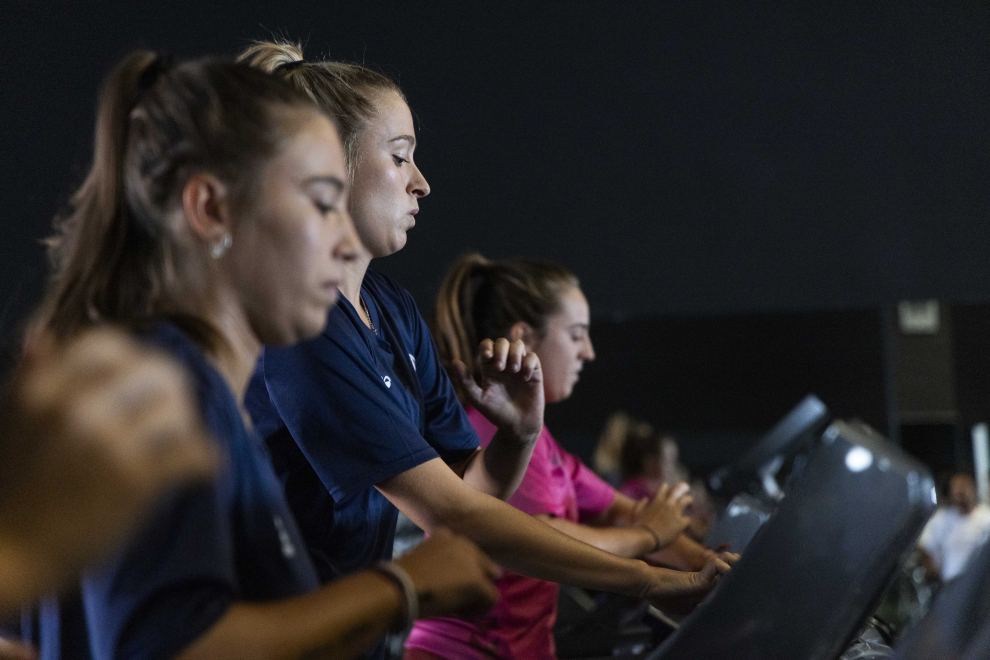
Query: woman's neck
{"x": 350, "y": 286}
{"x": 238, "y": 356}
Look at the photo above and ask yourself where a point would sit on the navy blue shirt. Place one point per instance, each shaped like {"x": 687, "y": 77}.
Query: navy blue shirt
{"x": 352, "y": 408}
{"x": 203, "y": 549}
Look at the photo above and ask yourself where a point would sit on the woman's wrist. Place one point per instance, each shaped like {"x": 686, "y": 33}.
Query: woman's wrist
{"x": 407, "y": 588}
{"x": 671, "y": 583}
{"x": 649, "y": 580}
{"x": 652, "y": 538}
{"x": 515, "y": 438}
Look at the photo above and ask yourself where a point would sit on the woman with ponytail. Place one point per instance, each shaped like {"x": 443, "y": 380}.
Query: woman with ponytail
{"x": 214, "y": 220}
{"x": 363, "y": 419}
{"x": 541, "y": 304}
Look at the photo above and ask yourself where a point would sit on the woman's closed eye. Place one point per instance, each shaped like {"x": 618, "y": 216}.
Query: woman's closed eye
{"x": 325, "y": 208}
{"x": 327, "y": 194}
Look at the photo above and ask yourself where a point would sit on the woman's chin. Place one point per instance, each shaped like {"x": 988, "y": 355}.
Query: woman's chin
{"x": 388, "y": 248}
{"x": 557, "y": 395}
{"x": 399, "y": 241}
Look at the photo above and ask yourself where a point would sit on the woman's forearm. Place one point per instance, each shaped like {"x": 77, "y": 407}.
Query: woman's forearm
{"x": 622, "y": 541}
{"x": 432, "y": 496}
{"x": 340, "y": 620}
{"x": 621, "y": 513}
{"x": 684, "y": 554}
{"x": 500, "y": 467}
{"x": 21, "y": 577}
{"x": 526, "y": 545}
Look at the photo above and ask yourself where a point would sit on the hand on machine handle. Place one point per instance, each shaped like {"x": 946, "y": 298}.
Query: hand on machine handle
{"x": 664, "y": 514}
{"x": 95, "y": 430}
{"x": 453, "y": 577}
{"x": 510, "y": 389}
{"x": 679, "y": 591}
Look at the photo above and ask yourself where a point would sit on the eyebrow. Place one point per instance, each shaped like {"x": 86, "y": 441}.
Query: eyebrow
{"x": 336, "y": 182}
{"x": 411, "y": 139}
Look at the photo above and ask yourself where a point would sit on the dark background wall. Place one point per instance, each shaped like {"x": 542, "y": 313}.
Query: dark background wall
{"x": 794, "y": 168}
{"x": 719, "y": 381}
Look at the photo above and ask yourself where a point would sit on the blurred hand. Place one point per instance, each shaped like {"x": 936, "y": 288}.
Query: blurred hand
{"x": 729, "y": 558}
{"x": 11, "y": 650}
{"x": 94, "y": 431}
{"x": 452, "y": 576}
{"x": 680, "y": 592}
{"x": 510, "y": 391}
{"x": 664, "y": 514}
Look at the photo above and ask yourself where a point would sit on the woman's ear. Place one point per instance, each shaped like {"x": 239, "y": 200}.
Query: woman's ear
{"x": 524, "y": 331}
{"x": 206, "y": 205}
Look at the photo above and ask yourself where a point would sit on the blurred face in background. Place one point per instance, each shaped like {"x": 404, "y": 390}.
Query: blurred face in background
{"x": 565, "y": 346}
{"x": 962, "y": 493}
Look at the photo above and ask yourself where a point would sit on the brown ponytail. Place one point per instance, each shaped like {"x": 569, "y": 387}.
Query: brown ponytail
{"x": 346, "y": 92}
{"x": 480, "y": 299}
{"x": 121, "y": 253}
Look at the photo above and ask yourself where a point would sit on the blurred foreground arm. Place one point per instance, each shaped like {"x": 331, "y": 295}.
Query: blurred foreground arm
{"x": 450, "y": 574}
{"x": 93, "y": 430}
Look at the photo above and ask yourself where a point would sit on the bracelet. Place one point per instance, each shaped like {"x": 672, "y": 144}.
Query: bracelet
{"x": 656, "y": 538}
{"x": 400, "y": 577}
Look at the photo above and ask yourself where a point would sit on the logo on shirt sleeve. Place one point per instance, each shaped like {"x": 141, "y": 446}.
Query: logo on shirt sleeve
{"x": 388, "y": 381}
{"x": 288, "y": 549}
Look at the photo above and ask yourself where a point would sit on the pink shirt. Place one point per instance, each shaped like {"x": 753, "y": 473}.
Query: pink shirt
{"x": 637, "y": 488}
{"x": 521, "y": 624}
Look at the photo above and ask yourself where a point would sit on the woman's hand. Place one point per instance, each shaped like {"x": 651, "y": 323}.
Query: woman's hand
{"x": 94, "y": 430}
{"x": 664, "y": 514}
{"x": 452, "y": 576}
{"x": 510, "y": 390}
{"x": 11, "y": 650}
{"x": 680, "y": 592}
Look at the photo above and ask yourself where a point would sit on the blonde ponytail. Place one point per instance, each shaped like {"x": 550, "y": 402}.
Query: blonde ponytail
{"x": 346, "y": 92}
{"x": 270, "y": 55}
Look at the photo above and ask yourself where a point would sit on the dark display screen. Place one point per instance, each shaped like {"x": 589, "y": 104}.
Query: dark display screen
{"x": 820, "y": 563}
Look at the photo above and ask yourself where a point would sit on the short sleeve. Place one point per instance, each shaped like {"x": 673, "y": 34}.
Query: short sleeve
{"x": 178, "y": 575}
{"x": 982, "y": 515}
{"x": 331, "y": 400}
{"x": 540, "y": 492}
{"x": 594, "y": 495}
{"x": 931, "y": 536}
{"x": 447, "y": 427}
{"x": 169, "y": 586}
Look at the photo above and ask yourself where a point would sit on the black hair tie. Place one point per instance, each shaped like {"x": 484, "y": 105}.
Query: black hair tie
{"x": 286, "y": 67}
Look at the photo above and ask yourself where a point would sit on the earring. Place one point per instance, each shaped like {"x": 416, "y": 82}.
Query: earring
{"x": 220, "y": 248}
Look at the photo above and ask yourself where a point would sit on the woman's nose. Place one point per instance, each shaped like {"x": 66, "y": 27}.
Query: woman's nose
{"x": 588, "y": 353}
{"x": 348, "y": 245}
{"x": 418, "y": 184}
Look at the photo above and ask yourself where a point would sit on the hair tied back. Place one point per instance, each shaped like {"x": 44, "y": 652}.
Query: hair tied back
{"x": 286, "y": 67}
{"x": 151, "y": 73}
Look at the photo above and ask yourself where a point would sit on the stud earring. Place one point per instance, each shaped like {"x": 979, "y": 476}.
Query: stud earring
{"x": 220, "y": 248}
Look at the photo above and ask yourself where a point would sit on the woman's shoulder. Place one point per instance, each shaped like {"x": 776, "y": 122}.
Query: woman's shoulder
{"x": 216, "y": 401}
{"x": 169, "y": 338}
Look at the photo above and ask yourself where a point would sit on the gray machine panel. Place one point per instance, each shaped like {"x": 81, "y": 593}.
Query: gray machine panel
{"x": 816, "y": 570}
